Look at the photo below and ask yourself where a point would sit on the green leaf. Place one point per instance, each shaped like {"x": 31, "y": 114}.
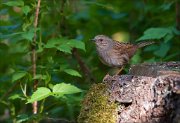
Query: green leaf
{"x": 168, "y": 37}
{"x": 162, "y": 51}
{"x": 65, "y": 45}
{"x": 64, "y": 88}
{"x": 166, "y": 5}
{"x": 15, "y": 96}
{"x": 151, "y": 48}
{"x": 156, "y": 33}
{"x": 28, "y": 35}
{"x": 64, "y": 48}
{"x": 168, "y": 58}
{"x": 77, "y": 44}
{"x": 39, "y": 94}
{"x": 55, "y": 42}
{"x": 26, "y": 9}
{"x": 176, "y": 31}
{"x": 18, "y": 75}
{"x": 15, "y": 3}
{"x": 22, "y": 118}
{"x": 72, "y": 72}
{"x": 40, "y": 76}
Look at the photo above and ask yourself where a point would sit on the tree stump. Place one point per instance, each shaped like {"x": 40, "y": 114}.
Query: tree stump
{"x": 150, "y": 93}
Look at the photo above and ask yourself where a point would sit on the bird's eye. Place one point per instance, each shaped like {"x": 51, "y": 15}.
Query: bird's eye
{"x": 100, "y": 39}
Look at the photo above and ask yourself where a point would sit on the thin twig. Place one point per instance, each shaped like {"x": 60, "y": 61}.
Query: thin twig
{"x": 35, "y": 105}
{"x": 84, "y": 68}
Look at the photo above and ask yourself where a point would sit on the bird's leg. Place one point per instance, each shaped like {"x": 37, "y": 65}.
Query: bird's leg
{"x": 119, "y": 71}
{"x": 106, "y": 77}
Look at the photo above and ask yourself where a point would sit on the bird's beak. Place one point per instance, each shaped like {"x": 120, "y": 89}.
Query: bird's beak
{"x": 92, "y": 39}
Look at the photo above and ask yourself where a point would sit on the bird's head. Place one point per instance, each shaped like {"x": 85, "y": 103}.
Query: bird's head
{"x": 102, "y": 41}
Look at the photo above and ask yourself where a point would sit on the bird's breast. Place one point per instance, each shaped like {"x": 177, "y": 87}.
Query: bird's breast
{"x": 113, "y": 59}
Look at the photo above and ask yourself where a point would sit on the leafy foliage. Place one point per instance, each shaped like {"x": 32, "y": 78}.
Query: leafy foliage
{"x": 63, "y": 88}
{"x": 58, "y": 89}
{"x": 64, "y": 45}
{"x": 157, "y": 33}
{"x": 63, "y": 28}
{"x": 41, "y": 93}
{"x": 18, "y": 76}
{"x": 72, "y": 72}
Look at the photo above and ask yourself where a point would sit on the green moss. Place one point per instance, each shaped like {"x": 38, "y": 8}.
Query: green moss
{"x": 96, "y": 108}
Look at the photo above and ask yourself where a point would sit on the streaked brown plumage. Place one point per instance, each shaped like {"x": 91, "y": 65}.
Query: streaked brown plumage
{"x": 114, "y": 53}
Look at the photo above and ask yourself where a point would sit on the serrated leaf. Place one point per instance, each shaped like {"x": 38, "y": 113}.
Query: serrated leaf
{"x": 64, "y": 88}
{"x": 72, "y": 72}
{"x": 26, "y": 9}
{"x": 39, "y": 94}
{"x": 15, "y": 3}
{"x": 18, "y": 75}
{"x": 155, "y": 33}
{"x": 65, "y": 45}
{"x": 77, "y": 44}
{"x": 64, "y": 48}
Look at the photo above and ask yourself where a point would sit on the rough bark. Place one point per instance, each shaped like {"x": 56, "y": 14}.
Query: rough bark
{"x": 150, "y": 93}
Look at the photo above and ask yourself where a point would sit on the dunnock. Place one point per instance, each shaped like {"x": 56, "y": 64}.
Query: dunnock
{"x": 114, "y": 53}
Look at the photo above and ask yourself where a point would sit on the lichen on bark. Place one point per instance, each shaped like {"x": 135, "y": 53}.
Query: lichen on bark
{"x": 96, "y": 107}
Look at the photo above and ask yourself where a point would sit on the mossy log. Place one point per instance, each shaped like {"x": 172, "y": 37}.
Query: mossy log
{"x": 150, "y": 93}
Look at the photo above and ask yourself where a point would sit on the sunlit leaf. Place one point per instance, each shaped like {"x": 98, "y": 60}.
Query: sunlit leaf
{"x": 64, "y": 88}
{"x": 15, "y": 96}
{"x": 18, "y": 75}
{"x": 72, "y": 72}
{"x": 39, "y": 94}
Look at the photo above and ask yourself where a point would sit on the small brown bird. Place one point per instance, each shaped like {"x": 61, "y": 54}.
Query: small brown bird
{"x": 114, "y": 53}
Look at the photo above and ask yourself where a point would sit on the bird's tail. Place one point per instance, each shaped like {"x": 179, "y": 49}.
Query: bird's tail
{"x": 145, "y": 43}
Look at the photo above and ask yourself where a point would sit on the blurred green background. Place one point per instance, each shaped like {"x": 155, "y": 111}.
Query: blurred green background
{"x": 64, "y": 52}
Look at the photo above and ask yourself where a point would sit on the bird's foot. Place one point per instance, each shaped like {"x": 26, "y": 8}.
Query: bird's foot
{"x": 106, "y": 77}
{"x": 119, "y": 71}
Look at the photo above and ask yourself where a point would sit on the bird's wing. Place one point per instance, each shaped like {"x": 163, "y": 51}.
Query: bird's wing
{"x": 124, "y": 48}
